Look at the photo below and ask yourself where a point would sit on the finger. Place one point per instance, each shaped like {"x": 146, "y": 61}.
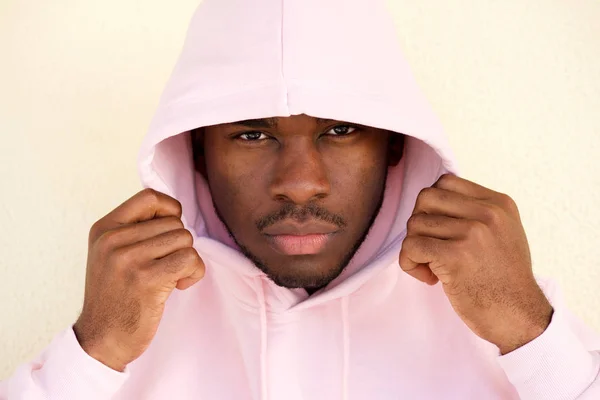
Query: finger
{"x": 417, "y": 253}
{"x": 138, "y": 232}
{"x": 438, "y": 226}
{"x": 161, "y": 245}
{"x": 184, "y": 267}
{"x": 465, "y": 187}
{"x": 143, "y": 206}
{"x": 190, "y": 281}
{"x": 443, "y": 202}
{"x": 424, "y": 274}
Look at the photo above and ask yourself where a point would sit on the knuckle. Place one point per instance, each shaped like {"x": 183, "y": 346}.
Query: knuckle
{"x": 507, "y": 202}
{"x": 108, "y": 241}
{"x": 475, "y": 229}
{"x": 412, "y": 223}
{"x": 420, "y": 220}
{"x": 154, "y": 197}
{"x": 186, "y": 236}
{"x": 183, "y": 236}
{"x": 425, "y": 196}
{"x": 492, "y": 215}
{"x": 95, "y": 231}
{"x": 426, "y": 192}
{"x": 178, "y": 206}
{"x": 150, "y": 195}
{"x": 190, "y": 255}
{"x": 122, "y": 259}
{"x": 444, "y": 179}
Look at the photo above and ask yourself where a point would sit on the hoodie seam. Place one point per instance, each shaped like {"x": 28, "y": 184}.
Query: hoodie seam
{"x": 199, "y": 99}
{"x": 346, "y": 347}
{"x": 327, "y": 86}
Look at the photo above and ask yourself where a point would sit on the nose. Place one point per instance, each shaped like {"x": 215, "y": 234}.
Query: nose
{"x": 300, "y": 175}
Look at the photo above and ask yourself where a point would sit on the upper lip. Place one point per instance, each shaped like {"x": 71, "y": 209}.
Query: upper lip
{"x": 300, "y": 229}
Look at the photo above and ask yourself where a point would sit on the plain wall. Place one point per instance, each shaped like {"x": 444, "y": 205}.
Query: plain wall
{"x": 516, "y": 84}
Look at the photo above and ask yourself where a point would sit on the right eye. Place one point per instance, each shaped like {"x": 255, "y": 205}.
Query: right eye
{"x": 252, "y": 136}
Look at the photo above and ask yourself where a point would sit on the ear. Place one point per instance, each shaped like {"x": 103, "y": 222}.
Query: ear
{"x": 395, "y": 148}
{"x": 197, "y": 137}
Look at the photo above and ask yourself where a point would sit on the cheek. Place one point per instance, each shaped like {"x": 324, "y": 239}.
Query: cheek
{"x": 236, "y": 184}
{"x": 358, "y": 180}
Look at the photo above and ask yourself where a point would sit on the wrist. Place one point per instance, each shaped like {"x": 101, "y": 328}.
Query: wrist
{"x": 106, "y": 357}
{"x": 101, "y": 350}
{"x": 527, "y": 329}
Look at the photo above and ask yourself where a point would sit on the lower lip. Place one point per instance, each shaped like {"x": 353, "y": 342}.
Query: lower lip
{"x": 299, "y": 245}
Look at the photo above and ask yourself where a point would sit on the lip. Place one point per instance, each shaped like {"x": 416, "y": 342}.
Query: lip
{"x": 304, "y": 229}
{"x": 295, "y": 245}
{"x": 291, "y": 238}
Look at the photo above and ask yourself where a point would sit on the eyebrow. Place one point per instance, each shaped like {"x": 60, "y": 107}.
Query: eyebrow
{"x": 258, "y": 123}
{"x": 270, "y": 122}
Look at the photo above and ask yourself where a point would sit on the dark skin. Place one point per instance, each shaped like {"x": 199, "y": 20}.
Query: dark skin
{"x": 297, "y": 169}
{"x": 297, "y": 172}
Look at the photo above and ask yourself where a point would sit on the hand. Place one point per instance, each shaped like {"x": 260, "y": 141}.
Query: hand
{"x": 471, "y": 239}
{"x": 137, "y": 255}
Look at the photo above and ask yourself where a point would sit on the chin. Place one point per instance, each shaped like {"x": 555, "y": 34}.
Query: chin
{"x": 303, "y": 272}
{"x": 312, "y": 271}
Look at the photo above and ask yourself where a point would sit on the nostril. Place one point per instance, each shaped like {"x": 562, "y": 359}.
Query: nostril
{"x": 281, "y": 197}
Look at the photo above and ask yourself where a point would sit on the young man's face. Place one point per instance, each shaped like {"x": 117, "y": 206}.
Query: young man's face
{"x": 298, "y": 194}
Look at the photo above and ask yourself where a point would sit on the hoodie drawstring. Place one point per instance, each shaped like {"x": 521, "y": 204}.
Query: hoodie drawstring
{"x": 263, "y": 342}
{"x": 345, "y": 346}
{"x": 263, "y": 338}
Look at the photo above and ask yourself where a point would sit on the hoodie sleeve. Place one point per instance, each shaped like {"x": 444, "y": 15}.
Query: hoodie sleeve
{"x": 63, "y": 371}
{"x": 562, "y": 363}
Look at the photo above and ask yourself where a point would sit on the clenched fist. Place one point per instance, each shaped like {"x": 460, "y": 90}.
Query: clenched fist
{"x": 471, "y": 239}
{"x": 137, "y": 255}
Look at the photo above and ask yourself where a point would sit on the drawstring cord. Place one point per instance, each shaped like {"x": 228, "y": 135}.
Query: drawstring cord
{"x": 263, "y": 342}
{"x": 263, "y": 339}
{"x": 346, "y": 347}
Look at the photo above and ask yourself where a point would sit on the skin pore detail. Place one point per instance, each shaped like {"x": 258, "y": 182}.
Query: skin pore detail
{"x": 298, "y": 194}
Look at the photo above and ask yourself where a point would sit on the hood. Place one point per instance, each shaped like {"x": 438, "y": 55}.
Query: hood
{"x": 334, "y": 59}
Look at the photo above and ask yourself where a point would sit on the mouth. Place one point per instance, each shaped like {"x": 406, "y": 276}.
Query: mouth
{"x": 295, "y": 245}
{"x": 290, "y": 238}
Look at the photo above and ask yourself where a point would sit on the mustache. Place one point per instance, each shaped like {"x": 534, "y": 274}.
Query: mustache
{"x": 300, "y": 214}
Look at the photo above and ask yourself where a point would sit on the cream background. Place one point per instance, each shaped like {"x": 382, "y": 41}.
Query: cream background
{"x": 517, "y": 85}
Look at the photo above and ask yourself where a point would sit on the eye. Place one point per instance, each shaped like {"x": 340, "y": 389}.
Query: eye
{"x": 341, "y": 130}
{"x": 252, "y": 136}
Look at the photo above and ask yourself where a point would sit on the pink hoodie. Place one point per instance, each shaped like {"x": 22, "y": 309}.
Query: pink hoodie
{"x": 374, "y": 332}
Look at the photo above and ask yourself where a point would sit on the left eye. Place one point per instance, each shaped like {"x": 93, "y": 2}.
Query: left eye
{"x": 252, "y": 136}
{"x": 341, "y": 130}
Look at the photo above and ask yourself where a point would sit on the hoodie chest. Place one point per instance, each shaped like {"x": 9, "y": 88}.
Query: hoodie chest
{"x": 406, "y": 344}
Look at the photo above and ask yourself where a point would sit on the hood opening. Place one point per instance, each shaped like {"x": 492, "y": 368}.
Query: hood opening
{"x": 246, "y": 60}
{"x": 171, "y": 170}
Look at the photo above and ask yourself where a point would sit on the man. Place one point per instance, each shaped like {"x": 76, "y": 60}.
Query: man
{"x": 305, "y": 236}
